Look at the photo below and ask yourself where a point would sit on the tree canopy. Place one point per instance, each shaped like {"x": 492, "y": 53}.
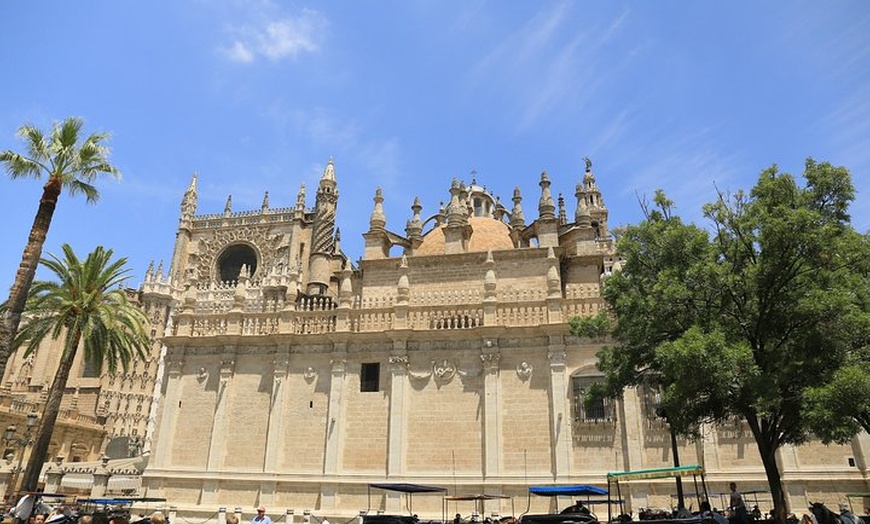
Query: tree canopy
{"x": 746, "y": 319}
{"x": 85, "y": 307}
{"x": 69, "y": 162}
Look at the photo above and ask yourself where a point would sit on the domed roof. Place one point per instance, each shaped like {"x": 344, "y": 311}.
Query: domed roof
{"x": 486, "y": 233}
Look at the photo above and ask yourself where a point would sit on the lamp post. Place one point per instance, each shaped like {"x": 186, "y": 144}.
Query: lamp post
{"x": 21, "y": 443}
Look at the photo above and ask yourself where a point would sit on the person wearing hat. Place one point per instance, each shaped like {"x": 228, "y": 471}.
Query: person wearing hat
{"x": 261, "y": 517}
{"x": 847, "y": 517}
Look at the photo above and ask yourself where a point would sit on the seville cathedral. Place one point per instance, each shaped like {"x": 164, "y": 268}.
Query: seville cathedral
{"x": 284, "y": 374}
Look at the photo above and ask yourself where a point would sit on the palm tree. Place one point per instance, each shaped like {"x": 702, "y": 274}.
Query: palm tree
{"x": 69, "y": 164}
{"x": 86, "y": 307}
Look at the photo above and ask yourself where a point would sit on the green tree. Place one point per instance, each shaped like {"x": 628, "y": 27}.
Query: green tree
{"x": 841, "y": 408}
{"x": 67, "y": 162}
{"x": 86, "y": 307}
{"x": 740, "y": 323}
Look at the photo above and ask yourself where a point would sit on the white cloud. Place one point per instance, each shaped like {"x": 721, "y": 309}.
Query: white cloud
{"x": 277, "y": 39}
{"x": 240, "y": 52}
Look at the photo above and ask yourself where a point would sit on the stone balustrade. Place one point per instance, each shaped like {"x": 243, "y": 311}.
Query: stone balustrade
{"x": 219, "y": 311}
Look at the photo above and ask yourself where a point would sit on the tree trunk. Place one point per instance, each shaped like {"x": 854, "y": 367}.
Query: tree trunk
{"x": 774, "y": 479}
{"x": 27, "y": 269}
{"x": 49, "y": 415}
{"x": 767, "y": 451}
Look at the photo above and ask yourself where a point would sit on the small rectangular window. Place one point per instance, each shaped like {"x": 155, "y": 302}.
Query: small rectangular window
{"x": 369, "y": 377}
{"x": 600, "y": 410}
{"x": 89, "y": 369}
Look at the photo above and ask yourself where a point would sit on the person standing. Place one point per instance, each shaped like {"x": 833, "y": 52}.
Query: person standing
{"x": 739, "y": 514}
{"x": 261, "y": 517}
{"x": 847, "y": 517}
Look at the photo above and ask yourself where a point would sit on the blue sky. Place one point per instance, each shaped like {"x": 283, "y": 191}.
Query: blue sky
{"x": 257, "y": 95}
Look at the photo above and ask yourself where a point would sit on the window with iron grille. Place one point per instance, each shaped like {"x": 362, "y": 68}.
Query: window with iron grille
{"x": 600, "y": 410}
{"x": 652, "y": 401}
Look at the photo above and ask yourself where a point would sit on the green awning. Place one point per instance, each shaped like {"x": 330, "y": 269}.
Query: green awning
{"x": 657, "y": 473}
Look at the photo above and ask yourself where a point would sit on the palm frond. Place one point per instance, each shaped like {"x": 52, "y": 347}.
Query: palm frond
{"x": 18, "y": 166}
{"x": 86, "y": 304}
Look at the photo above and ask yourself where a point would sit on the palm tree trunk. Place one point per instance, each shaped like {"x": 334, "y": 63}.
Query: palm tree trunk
{"x": 49, "y": 415}
{"x": 27, "y": 268}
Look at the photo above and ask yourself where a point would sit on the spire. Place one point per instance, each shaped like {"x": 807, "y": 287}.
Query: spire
{"x": 265, "y": 206}
{"x": 329, "y": 172}
{"x": 517, "y": 218}
{"x": 336, "y": 245}
{"x": 325, "y": 206}
{"x": 378, "y": 220}
{"x": 189, "y": 201}
{"x": 582, "y": 217}
{"x": 149, "y": 273}
{"x": 228, "y": 208}
{"x": 563, "y": 218}
{"x": 546, "y": 206}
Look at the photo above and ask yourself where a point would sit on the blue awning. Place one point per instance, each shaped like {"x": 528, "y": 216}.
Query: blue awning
{"x": 573, "y": 491}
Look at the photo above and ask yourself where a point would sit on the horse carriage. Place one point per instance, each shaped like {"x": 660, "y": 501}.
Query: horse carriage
{"x": 577, "y": 513}
{"x": 615, "y": 481}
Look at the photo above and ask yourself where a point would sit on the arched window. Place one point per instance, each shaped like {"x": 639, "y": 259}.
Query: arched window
{"x": 232, "y": 259}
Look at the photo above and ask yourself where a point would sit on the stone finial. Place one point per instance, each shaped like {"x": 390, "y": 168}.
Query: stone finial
{"x": 228, "y": 208}
{"x": 563, "y": 218}
{"x": 378, "y": 220}
{"x": 300, "y": 198}
{"x": 441, "y": 215}
{"x": 456, "y": 212}
{"x": 336, "y": 245}
{"x": 546, "y": 206}
{"x": 498, "y": 210}
{"x": 149, "y": 273}
{"x": 517, "y": 218}
{"x": 414, "y": 228}
{"x": 554, "y": 283}
{"x": 345, "y": 289}
{"x": 265, "y": 206}
{"x": 489, "y": 281}
{"x": 403, "y": 287}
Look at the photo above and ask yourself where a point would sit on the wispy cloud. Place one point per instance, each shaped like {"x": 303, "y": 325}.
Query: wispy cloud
{"x": 689, "y": 166}
{"x": 277, "y": 39}
{"x": 550, "y": 64}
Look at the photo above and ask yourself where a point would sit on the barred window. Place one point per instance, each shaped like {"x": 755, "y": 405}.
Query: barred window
{"x": 652, "y": 401}
{"x": 600, "y": 410}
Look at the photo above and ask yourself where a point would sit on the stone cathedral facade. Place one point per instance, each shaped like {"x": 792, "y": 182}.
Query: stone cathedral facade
{"x": 292, "y": 378}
